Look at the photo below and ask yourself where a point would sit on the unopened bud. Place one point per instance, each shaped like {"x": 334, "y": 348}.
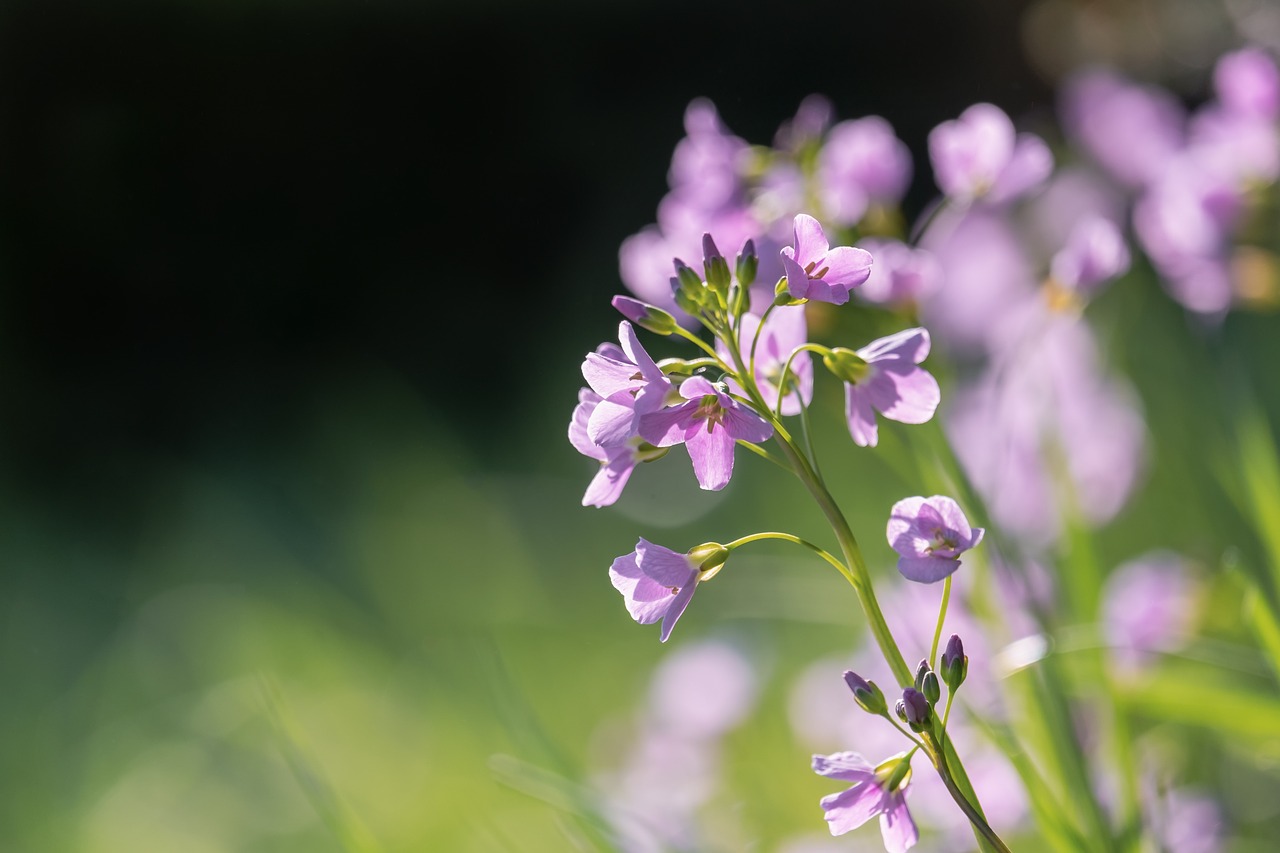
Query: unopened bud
{"x": 644, "y": 315}
{"x": 866, "y": 694}
{"x": 922, "y": 669}
{"x": 688, "y": 279}
{"x": 747, "y": 264}
{"x": 915, "y": 710}
{"x": 931, "y": 689}
{"x": 955, "y": 663}
{"x": 714, "y": 266}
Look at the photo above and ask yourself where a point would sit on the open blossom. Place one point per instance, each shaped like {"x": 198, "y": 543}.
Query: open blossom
{"x": 816, "y": 271}
{"x": 876, "y": 791}
{"x": 707, "y": 424}
{"x": 929, "y": 535}
{"x": 862, "y": 162}
{"x": 629, "y": 383}
{"x": 616, "y": 463}
{"x": 884, "y": 377}
{"x": 657, "y": 583}
{"x": 979, "y": 155}
{"x": 902, "y": 275}
{"x": 1148, "y": 607}
{"x": 784, "y": 330}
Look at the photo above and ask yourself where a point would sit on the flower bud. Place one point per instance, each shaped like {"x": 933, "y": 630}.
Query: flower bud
{"x": 915, "y": 710}
{"x": 955, "y": 663}
{"x": 782, "y": 294}
{"x": 709, "y": 558}
{"x": 646, "y": 316}
{"x": 686, "y": 278}
{"x": 714, "y": 266}
{"x": 747, "y": 264}
{"x": 866, "y": 694}
{"x": 922, "y": 669}
{"x": 931, "y": 690}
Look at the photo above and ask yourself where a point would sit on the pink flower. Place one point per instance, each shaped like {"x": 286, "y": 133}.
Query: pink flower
{"x": 884, "y": 377}
{"x": 876, "y": 791}
{"x": 656, "y": 584}
{"x": 979, "y": 155}
{"x": 816, "y": 271}
{"x": 929, "y": 535}
{"x": 707, "y": 425}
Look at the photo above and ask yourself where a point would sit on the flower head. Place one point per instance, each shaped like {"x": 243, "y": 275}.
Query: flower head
{"x": 707, "y": 424}
{"x": 876, "y": 791}
{"x": 616, "y": 463}
{"x": 816, "y": 271}
{"x": 979, "y": 155}
{"x": 658, "y": 583}
{"x": 929, "y": 535}
{"x": 884, "y": 377}
{"x": 1094, "y": 254}
{"x": 629, "y": 383}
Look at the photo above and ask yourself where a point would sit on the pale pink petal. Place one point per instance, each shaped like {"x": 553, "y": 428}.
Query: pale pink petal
{"x": 910, "y": 345}
{"x": 611, "y": 423}
{"x": 712, "y": 455}
{"x": 909, "y": 397}
{"x": 860, "y": 415}
{"x": 847, "y": 766}
{"x": 676, "y": 610}
{"x": 664, "y": 566}
{"x": 896, "y": 826}
{"x": 811, "y": 243}
{"x": 926, "y": 569}
{"x": 607, "y": 485}
{"x": 850, "y": 809}
{"x": 846, "y": 265}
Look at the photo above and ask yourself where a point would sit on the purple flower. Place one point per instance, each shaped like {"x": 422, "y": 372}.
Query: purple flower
{"x": 708, "y": 425}
{"x": 616, "y": 463}
{"x": 929, "y": 535}
{"x": 1247, "y": 82}
{"x": 862, "y": 162}
{"x": 630, "y": 384}
{"x": 876, "y": 791}
{"x": 1131, "y": 130}
{"x": 1094, "y": 254}
{"x": 901, "y": 275}
{"x": 1148, "y": 605}
{"x": 784, "y": 330}
{"x": 656, "y": 583}
{"x": 979, "y": 155}
{"x": 883, "y": 377}
{"x": 816, "y": 271}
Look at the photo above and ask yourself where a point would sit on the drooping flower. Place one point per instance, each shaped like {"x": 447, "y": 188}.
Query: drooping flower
{"x": 816, "y": 271}
{"x": 884, "y": 377}
{"x": 629, "y": 383}
{"x": 784, "y": 330}
{"x": 657, "y": 583}
{"x": 929, "y": 535}
{"x": 980, "y": 155}
{"x": 876, "y": 791}
{"x": 616, "y": 463}
{"x": 707, "y": 424}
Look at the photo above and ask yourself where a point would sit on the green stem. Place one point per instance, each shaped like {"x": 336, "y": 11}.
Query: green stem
{"x": 787, "y": 537}
{"x": 975, "y": 817}
{"x": 937, "y": 632}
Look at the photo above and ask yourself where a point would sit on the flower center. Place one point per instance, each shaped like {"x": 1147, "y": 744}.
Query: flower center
{"x": 943, "y": 543}
{"x": 709, "y": 410}
{"x": 819, "y": 274}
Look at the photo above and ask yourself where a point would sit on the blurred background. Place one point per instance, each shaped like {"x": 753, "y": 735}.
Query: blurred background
{"x": 293, "y": 299}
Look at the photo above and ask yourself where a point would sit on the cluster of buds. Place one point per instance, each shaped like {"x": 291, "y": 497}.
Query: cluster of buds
{"x": 915, "y": 708}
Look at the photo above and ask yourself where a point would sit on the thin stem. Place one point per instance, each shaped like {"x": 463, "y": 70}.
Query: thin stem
{"x": 975, "y": 817}
{"x": 942, "y": 616}
{"x": 787, "y": 537}
{"x": 760, "y": 451}
{"x": 691, "y": 337}
{"x": 755, "y": 339}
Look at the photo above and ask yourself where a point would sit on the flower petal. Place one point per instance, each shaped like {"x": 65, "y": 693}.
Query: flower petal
{"x": 647, "y": 601}
{"x": 743, "y": 424}
{"x": 676, "y": 610}
{"x": 613, "y": 420}
{"x": 606, "y": 486}
{"x": 896, "y": 826}
{"x": 902, "y": 527}
{"x": 712, "y": 454}
{"x": 952, "y": 516}
{"x": 797, "y": 278}
{"x": 852, "y": 808}
{"x": 587, "y": 402}
{"x": 666, "y": 567}
{"x": 908, "y": 397}
{"x": 909, "y": 345}
{"x": 860, "y": 415}
{"x": 667, "y": 427}
{"x": 849, "y": 766}
{"x": 811, "y": 243}
{"x": 926, "y": 569}
{"x": 847, "y": 265}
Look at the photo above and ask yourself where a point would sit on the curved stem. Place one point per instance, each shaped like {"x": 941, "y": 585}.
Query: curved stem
{"x": 787, "y": 537}
{"x": 761, "y": 452}
{"x": 755, "y": 339}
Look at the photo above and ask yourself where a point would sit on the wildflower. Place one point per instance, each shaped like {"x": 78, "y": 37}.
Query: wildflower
{"x": 1094, "y": 254}
{"x": 883, "y": 377}
{"x": 878, "y": 790}
{"x": 979, "y": 155}
{"x": 1149, "y": 606}
{"x": 929, "y": 535}
{"x": 901, "y": 276}
{"x": 784, "y": 330}
{"x": 658, "y": 583}
{"x": 629, "y": 383}
{"x": 707, "y": 424}
{"x": 616, "y": 463}
{"x": 816, "y": 271}
{"x": 862, "y": 163}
